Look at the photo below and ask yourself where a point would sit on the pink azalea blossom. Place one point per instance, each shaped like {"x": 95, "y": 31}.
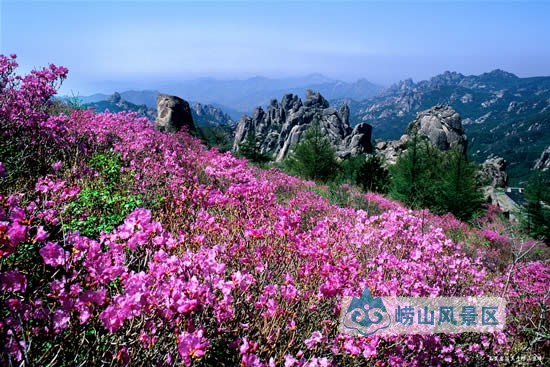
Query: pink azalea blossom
{"x": 13, "y": 281}
{"x": 192, "y": 346}
{"x": 53, "y": 254}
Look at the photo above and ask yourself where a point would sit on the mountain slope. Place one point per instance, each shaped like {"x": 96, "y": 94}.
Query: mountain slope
{"x": 502, "y": 114}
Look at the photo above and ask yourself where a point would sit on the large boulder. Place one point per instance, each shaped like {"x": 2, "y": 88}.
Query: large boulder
{"x": 282, "y": 125}
{"x": 359, "y": 141}
{"x": 493, "y": 172}
{"x": 443, "y": 127}
{"x": 173, "y": 114}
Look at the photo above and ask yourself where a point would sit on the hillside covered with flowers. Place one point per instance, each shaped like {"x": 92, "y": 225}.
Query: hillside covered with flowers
{"x": 124, "y": 245}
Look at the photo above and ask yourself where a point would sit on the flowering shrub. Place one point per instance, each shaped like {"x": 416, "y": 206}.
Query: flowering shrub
{"x": 221, "y": 263}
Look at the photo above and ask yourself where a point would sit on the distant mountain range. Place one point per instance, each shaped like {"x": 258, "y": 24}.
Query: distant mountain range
{"x": 240, "y": 96}
{"x": 502, "y": 114}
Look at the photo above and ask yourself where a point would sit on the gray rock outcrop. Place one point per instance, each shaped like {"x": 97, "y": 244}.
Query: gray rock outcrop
{"x": 442, "y": 125}
{"x": 173, "y": 114}
{"x": 281, "y": 126}
{"x": 390, "y": 150}
{"x": 543, "y": 163}
{"x": 493, "y": 172}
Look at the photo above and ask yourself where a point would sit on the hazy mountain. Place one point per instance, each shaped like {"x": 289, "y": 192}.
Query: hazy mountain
{"x": 239, "y": 96}
{"x": 502, "y": 114}
{"x": 116, "y": 103}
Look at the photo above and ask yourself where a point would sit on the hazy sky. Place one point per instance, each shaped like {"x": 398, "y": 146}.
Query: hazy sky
{"x": 382, "y": 41}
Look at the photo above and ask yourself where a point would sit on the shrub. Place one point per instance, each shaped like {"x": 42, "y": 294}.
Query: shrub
{"x": 314, "y": 157}
{"x": 104, "y": 201}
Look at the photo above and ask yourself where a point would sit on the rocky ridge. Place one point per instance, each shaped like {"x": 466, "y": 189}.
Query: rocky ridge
{"x": 281, "y": 126}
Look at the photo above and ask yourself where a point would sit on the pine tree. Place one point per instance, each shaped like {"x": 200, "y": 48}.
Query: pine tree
{"x": 314, "y": 157}
{"x": 372, "y": 175}
{"x": 460, "y": 191}
{"x": 425, "y": 177}
{"x": 537, "y": 210}
{"x": 250, "y": 149}
{"x": 414, "y": 173}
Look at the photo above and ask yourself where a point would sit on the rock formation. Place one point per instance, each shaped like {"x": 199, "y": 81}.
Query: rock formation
{"x": 543, "y": 163}
{"x": 281, "y": 126}
{"x": 442, "y": 125}
{"x": 493, "y": 172}
{"x": 390, "y": 150}
{"x": 173, "y": 114}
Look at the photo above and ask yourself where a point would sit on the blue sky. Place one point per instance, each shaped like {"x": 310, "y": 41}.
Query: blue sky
{"x": 382, "y": 41}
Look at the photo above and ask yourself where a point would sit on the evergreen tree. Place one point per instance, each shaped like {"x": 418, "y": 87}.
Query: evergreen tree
{"x": 414, "y": 174}
{"x": 425, "y": 177}
{"x": 460, "y": 192}
{"x": 372, "y": 175}
{"x": 314, "y": 157}
{"x": 536, "y": 214}
{"x": 250, "y": 149}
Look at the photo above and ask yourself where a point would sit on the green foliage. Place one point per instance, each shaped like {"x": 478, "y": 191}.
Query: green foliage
{"x": 250, "y": 149}
{"x": 344, "y": 196}
{"x": 460, "y": 192}
{"x": 349, "y": 168}
{"x": 536, "y": 213}
{"x": 108, "y": 165}
{"x": 66, "y": 106}
{"x": 214, "y": 136}
{"x": 425, "y": 177}
{"x": 373, "y": 176}
{"x": 366, "y": 171}
{"x": 415, "y": 173}
{"x": 103, "y": 203}
{"x": 313, "y": 157}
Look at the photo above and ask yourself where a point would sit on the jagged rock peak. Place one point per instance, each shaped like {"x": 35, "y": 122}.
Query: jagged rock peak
{"x": 115, "y": 98}
{"x": 173, "y": 114}
{"x": 443, "y": 127}
{"x": 315, "y": 99}
{"x": 281, "y": 126}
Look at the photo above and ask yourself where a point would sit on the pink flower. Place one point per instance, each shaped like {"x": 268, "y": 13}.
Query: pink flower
{"x": 61, "y": 320}
{"x": 41, "y": 234}
{"x": 53, "y": 254}
{"x": 316, "y": 338}
{"x": 2, "y": 170}
{"x": 57, "y": 165}
{"x": 13, "y": 281}
{"x": 123, "y": 356}
{"x": 192, "y": 345}
{"x": 17, "y": 233}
